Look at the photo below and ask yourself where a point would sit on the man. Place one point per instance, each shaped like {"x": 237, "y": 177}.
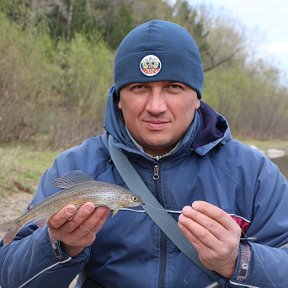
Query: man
{"x": 233, "y": 199}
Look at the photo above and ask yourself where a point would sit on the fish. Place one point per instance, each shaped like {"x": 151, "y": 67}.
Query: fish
{"x": 77, "y": 188}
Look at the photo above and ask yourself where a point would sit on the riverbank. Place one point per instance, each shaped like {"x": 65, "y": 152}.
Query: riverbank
{"x": 266, "y": 145}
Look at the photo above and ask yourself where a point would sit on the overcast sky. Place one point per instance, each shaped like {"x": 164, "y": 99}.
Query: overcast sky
{"x": 267, "y": 19}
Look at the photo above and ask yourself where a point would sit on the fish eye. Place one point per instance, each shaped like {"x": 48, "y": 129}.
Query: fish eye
{"x": 134, "y": 198}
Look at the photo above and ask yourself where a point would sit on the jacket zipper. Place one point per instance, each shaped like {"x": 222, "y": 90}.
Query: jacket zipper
{"x": 156, "y": 172}
{"x": 163, "y": 260}
{"x": 163, "y": 239}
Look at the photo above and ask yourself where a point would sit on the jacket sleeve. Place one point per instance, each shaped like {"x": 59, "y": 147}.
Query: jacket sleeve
{"x": 263, "y": 262}
{"x": 30, "y": 261}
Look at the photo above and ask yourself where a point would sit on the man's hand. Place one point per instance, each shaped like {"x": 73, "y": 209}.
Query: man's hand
{"x": 214, "y": 234}
{"x": 77, "y": 229}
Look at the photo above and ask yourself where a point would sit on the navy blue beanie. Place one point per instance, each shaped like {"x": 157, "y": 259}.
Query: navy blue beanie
{"x": 158, "y": 51}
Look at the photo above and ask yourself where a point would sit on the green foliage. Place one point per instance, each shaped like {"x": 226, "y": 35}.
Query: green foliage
{"x": 24, "y": 57}
{"x": 21, "y": 168}
{"x": 56, "y": 60}
{"x": 63, "y": 86}
{"x": 84, "y": 75}
{"x": 191, "y": 19}
{"x": 255, "y": 105}
{"x": 121, "y": 23}
{"x": 16, "y": 10}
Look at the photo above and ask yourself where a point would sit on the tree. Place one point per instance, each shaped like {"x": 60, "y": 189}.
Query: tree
{"x": 227, "y": 44}
{"x": 190, "y": 18}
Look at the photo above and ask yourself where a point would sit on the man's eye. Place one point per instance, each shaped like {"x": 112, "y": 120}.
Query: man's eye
{"x": 137, "y": 88}
{"x": 176, "y": 87}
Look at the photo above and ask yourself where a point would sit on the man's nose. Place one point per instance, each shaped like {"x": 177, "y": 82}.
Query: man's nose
{"x": 156, "y": 102}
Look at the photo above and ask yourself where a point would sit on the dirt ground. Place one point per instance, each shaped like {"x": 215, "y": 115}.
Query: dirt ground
{"x": 14, "y": 206}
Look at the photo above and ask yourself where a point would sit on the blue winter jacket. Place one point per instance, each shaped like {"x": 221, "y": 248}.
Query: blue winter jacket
{"x": 130, "y": 251}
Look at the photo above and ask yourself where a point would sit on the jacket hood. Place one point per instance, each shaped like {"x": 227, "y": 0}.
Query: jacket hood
{"x": 210, "y": 130}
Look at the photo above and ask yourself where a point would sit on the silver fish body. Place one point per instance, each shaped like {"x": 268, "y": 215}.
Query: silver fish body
{"x": 77, "y": 189}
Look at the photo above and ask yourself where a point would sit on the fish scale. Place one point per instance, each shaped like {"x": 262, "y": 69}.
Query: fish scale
{"x": 77, "y": 189}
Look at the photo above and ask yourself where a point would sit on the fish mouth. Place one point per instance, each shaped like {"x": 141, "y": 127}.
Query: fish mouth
{"x": 143, "y": 203}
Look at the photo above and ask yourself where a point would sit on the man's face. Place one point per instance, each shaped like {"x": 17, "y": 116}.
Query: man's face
{"x": 157, "y": 114}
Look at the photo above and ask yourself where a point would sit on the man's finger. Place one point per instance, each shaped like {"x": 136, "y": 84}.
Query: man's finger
{"x": 215, "y": 213}
{"x": 194, "y": 226}
{"x": 95, "y": 221}
{"x": 58, "y": 219}
{"x": 82, "y": 214}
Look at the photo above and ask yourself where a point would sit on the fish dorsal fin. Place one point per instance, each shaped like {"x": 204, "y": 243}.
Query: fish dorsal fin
{"x": 72, "y": 179}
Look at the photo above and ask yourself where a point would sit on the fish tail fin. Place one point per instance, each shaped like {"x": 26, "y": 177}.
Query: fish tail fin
{"x": 12, "y": 228}
{"x": 115, "y": 211}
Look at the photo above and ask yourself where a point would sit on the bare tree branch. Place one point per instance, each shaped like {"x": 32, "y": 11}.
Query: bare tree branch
{"x": 222, "y": 61}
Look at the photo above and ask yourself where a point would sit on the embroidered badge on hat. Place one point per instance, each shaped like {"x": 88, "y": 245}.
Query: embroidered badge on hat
{"x": 150, "y": 65}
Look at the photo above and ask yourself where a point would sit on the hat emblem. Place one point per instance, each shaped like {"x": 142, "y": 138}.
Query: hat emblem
{"x": 150, "y": 65}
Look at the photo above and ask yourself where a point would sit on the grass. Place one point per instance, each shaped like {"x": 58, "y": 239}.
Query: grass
{"x": 21, "y": 168}
{"x": 22, "y": 165}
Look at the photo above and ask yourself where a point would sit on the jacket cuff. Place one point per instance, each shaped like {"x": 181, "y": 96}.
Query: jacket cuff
{"x": 243, "y": 264}
{"x": 59, "y": 253}
{"x": 56, "y": 247}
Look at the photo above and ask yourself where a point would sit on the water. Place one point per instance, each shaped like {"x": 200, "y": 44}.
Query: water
{"x": 282, "y": 163}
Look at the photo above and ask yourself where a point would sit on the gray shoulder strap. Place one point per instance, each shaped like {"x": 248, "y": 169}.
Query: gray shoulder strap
{"x": 155, "y": 210}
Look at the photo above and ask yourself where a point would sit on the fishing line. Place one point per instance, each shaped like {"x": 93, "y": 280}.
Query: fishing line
{"x": 160, "y": 209}
{"x": 257, "y": 256}
{"x": 244, "y": 238}
{"x": 143, "y": 211}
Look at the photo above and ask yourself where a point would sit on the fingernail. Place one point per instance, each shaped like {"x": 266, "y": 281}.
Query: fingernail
{"x": 70, "y": 211}
{"x": 196, "y": 205}
{"x": 186, "y": 209}
{"x": 89, "y": 208}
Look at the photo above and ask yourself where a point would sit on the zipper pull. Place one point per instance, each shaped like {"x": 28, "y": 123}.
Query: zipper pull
{"x": 156, "y": 172}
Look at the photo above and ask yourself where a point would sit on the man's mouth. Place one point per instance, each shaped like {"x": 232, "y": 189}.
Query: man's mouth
{"x": 156, "y": 124}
